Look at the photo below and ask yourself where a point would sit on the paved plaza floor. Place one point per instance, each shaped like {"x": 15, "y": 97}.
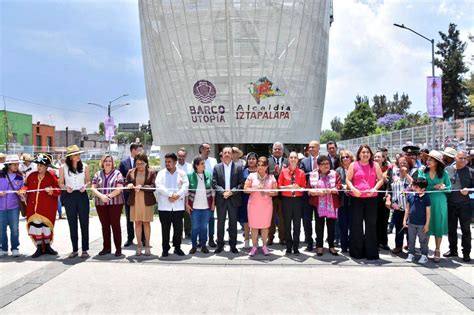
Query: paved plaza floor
{"x": 226, "y": 283}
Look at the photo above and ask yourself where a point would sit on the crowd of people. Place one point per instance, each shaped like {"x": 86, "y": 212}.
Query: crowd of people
{"x": 357, "y": 197}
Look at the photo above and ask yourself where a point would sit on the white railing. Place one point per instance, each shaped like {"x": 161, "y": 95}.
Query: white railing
{"x": 458, "y": 134}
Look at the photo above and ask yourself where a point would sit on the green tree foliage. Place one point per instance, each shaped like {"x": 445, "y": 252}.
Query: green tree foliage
{"x": 400, "y": 104}
{"x": 101, "y": 128}
{"x": 329, "y": 135}
{"x": 380, "y": 106}
{"x": 451, "y": 50}
{"x": 469, "y": 84}
{"x": 361, "y": 121}
{"x": 336, "y": 124}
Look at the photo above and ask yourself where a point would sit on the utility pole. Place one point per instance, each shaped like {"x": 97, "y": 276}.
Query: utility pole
{"x": 6, "y": 124}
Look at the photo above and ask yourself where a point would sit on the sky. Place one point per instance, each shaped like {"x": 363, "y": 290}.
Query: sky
{"x": 61, "y": 55}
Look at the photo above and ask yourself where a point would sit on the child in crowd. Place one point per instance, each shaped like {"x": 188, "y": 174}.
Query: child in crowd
{"x": 417, "y": 219}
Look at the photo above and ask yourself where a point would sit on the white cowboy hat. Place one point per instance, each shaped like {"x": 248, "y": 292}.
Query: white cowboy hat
{"x": 12, "y": 159}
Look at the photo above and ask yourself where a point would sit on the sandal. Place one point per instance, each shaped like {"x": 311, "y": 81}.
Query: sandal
{"x": 139, "y": 251}
{"x": 72, "y": 255}
{"x": 84, "y": 255}
{"x": 147, "y": 251}
{"x": 436, "y": 257}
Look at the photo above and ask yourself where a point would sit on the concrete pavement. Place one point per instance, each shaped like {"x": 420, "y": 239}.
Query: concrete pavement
{"x": 226, "y": 283}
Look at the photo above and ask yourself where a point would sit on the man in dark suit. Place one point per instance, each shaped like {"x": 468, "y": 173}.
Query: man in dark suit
{"x": 125, "y": 165}
{"x": 227, "y": 178}
{"x": 276, "y": 162}
{"x": 334, "y": 160}
{"x": 309, "y": 164}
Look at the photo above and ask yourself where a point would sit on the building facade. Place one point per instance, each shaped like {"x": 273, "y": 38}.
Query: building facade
{"x": 43, "y": 136}
{"x": 228, "y": 71}
{"x": 15, "y": 128}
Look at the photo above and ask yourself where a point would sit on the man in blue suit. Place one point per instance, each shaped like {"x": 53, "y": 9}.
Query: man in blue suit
{"x": 309, "y": 164}
{"x": 125, "y": 165}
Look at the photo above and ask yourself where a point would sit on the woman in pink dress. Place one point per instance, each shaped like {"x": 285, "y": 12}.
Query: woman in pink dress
{"x": 260, "y": 205}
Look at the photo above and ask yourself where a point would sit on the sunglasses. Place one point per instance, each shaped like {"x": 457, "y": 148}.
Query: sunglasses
{"x": 345, "y": 157}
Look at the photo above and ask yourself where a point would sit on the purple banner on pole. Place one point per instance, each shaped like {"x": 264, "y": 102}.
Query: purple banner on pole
{"x": 109, "y": 128}
{"x": 434, "y": 99}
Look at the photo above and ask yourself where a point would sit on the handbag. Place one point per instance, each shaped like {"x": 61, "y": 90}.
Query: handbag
{"x": 20, "y": 200}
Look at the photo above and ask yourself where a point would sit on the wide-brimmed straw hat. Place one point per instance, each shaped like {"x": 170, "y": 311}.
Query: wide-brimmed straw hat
{"x": 73, "y": 150}
{"x": 237, "y": 150}
{"x": 25, "y": 157}
{"x": 45, "y": 159}
{"x": 12, "y": 159}
{"x": 2, "y": 155}
{"x": 438, "y": 156}
{"x": 450, "y": 152}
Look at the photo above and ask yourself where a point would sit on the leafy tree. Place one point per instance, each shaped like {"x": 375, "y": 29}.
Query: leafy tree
{"x": 451, "y": 50}
{"x": 389, "y": 120}
{"x": 336, "y": 124}
{"x": 469, "y": 84}
{"x": 101, "y": 128}
{"x": 329, "y": 135}
{"x": 399, "y": 105}
{"x": 361, "y": 121}
{"x": 380, "y": 106}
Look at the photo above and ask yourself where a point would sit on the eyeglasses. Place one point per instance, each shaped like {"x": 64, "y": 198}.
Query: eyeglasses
{"x": 345, "y": 157}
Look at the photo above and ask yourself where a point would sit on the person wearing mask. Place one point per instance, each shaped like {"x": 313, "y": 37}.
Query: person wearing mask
{"x": 364, "y": 178}
{"x": 292, "y": 179}
{"x": 462, "y": 179}
{"x": 308, "y": 165}
{"x": 260, "y": 205}
{"x": 326, "y": 183}
{"x": 227, "y": 181}
{"x": 204, "y": 151}
{"x": 344, "y": 213}
{"x": 276, "y": 162}
{"x": 74, "y": 178}
{"x": 125, "y": 165}
{"x": 171, "y": 189}
{"x": 41, "y": 205}
{"x": 10, "y": 180}
{"x": 140, "y": 182}
{"x": 251, "y": 167}
{"x": 440, "y": 184}
{"x": 187, "y": 168}
{"x": 106, "y": 186}
{"x": 200, "y": 203}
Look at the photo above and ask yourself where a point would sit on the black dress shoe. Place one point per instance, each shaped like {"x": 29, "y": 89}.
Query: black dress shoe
{"x": 309, "y": 249}
{"x": 179, "y": 252}
{"x": 212, "y": 243}
{"x": 49, "y": 250}
{"x": 128, "y": 243}
{"x": 192, "y": 251}
{"x": 164, "y": 254}
{"x": 104, "y": 252}
{"x": 466, "y": 258}
{"x": 218, "y": 250}
{"x": 39, "y": 251}
{"x": 234, "y": 250}
{"x": 296, "y": 252}
{"x": 450, "y": 254}
{"x": 288, "y": 251}
{"x": 333, "y": 252}
{"x": 384, "y": 247}
{"x": 204, "y": 250}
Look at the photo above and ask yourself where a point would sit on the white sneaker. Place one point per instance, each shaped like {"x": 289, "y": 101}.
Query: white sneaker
{"x": 410, "y": 258}
{"x": 246, "y": 243}
{"x": 15, "y": 253}
{"x": 3, "y": 253}
{"x": 423, "y": 259}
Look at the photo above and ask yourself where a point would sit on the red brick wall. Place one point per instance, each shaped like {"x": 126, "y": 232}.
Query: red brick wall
{"x": 44, "y": 131}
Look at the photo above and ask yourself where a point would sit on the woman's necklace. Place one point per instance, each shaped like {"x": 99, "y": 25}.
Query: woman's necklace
{"x": 201, "y": 177}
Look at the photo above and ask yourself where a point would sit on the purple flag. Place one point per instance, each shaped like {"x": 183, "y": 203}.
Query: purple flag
{"x": 109, "y": 128}
{"x": 434, "y": 99}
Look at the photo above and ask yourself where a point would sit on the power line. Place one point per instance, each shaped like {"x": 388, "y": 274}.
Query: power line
{"x": 38, "y": 104}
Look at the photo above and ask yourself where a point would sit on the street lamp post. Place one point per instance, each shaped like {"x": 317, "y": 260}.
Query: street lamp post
{"x": 433, "y": 119}
{"x": 109, "y": 108}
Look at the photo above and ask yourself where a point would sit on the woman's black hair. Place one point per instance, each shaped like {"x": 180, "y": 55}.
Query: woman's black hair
{"x": 439, "y": 168}
{"x": 198, "y": 159}
{"x": 80, "y": 166}
{"x": 322, "y": 158}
